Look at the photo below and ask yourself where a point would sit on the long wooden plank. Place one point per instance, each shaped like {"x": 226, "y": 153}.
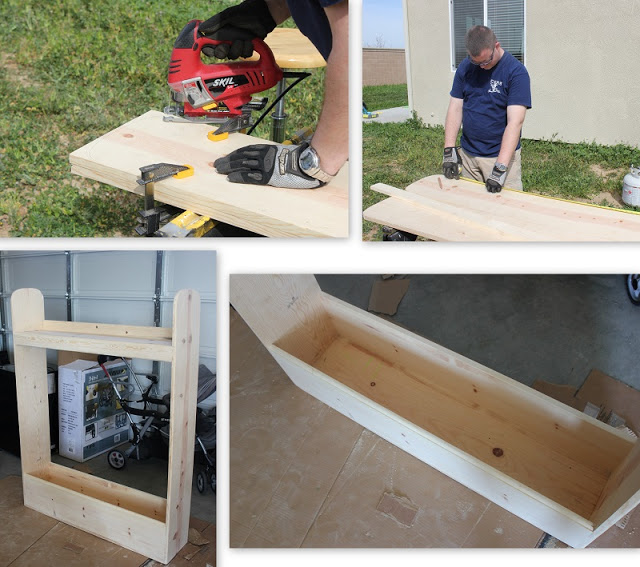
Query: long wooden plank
{"x": 422, "y": 221}
{"x": 184, "y": 394}
{"x": 125, "y": 497}
{"x": 111, "y": 522}
{"x": 157, "y": 349}
{"x": 495, "y": 229}
{"x": 105, "y": 329}
{"x": 518, "y": 215}
{"x": 116, "y": 157}
{"x": 32, "y": 391}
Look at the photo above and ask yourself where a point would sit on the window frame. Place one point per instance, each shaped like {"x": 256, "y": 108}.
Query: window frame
{"x": 485, "y": 10}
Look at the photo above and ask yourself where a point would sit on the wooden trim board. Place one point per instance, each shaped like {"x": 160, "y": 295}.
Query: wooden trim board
{"x": 454, "y": 210}
{"x": 152, "y": 526}
{"x": 557, "y": 468}
{"x": 116, "y": 158}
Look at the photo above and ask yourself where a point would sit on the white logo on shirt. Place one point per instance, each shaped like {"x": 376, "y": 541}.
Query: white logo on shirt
{"x": 494, "y": 86}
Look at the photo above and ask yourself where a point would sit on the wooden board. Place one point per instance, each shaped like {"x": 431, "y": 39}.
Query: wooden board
{"x": 443, "y": 209}
{"x": 116, "y": 159}
{"x": 558, "y": 469}
{"x": 147, "y": 524}
{"x": 293, "y": 50}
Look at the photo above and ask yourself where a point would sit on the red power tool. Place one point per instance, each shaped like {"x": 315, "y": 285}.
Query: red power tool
{"x": 217, "y": 92}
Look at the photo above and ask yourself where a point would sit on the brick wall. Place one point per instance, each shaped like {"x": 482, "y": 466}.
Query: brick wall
{"x": 383, "y": 67}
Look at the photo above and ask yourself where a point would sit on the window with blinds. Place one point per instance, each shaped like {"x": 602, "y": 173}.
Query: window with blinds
{"x": 504, "y": 17}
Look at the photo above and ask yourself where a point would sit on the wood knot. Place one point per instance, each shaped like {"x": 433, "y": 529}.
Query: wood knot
{"x": 498, "y": 452}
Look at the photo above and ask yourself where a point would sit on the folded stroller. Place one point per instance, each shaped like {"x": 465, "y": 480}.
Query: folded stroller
{"x": 156, "y": 412}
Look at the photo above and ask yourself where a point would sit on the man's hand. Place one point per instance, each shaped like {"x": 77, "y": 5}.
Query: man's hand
{"x": 452, "y": 163}
{"x": 267, "y": 164}
{"x": 496, "y": 180}
{"x": 238, "y": 24}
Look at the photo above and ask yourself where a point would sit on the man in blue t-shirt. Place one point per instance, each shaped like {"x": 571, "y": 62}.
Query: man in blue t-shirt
{"x": 326, "y": 24}
{"x": 490, "y": 96}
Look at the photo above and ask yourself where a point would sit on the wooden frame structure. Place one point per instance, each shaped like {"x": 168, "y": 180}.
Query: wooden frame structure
{"x": 462, "y": 210}
{"x": 153, "y": 526}
{"x": 557, "y": 468}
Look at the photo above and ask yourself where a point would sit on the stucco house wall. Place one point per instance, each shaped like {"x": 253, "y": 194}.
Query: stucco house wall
{"x": 580, "y": 56}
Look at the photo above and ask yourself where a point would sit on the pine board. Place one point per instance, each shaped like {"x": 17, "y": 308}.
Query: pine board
{"x": 454, "y": 210}
{"x": 116, "y": 157}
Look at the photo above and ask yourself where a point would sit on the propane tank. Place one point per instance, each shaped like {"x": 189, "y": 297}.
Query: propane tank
{"x": 631, "y": 187}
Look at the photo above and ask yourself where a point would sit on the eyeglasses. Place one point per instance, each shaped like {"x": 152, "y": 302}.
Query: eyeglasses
{"x": 483, "y": 63}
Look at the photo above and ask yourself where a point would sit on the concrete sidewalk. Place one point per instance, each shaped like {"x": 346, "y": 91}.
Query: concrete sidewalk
{"x": 399, "y": 114}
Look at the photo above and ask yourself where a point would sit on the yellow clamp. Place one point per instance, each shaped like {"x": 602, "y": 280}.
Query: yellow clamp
{"x": 217, "y": 137}
{"x": 185, "y": 172}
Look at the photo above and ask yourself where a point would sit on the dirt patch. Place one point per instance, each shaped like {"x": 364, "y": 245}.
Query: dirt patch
{"x": 606, "y": 173}
{"x": 606, "y": 198}
{"x": 5, "y": 229}
{"x": 371, "y": 235}
{"x": 15, "y": 73}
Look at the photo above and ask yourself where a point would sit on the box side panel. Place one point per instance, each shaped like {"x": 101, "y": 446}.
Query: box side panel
{"x": 286, "y": 309}
{"x": 122, "y": 527}
{"x": 621, "y": 494}
{"x": 511, "y": 495}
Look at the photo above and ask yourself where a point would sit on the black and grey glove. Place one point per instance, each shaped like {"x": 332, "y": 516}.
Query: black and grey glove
{"x": 267, "y": 164}
{"x": 452, "y": 163}
{"x": 496, "y": 180}
{"x": 238, "y": 24}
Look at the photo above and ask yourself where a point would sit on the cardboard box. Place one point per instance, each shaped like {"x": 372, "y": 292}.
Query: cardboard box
{"x": 91, "y": 418}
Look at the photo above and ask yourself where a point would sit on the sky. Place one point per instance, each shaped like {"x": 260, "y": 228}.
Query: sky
{"x": 382, "y": 23}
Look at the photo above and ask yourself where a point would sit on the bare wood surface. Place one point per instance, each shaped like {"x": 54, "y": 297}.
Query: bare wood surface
{"x": 182, "y": 427}
{"x": 444, "y": 209}
{"x": 292, "y": 49}
{"x": 140, "y": 522}
{"x": 32, "y": 390}
{"x": 116, "y": 157}
{"x": 546, "y": 462}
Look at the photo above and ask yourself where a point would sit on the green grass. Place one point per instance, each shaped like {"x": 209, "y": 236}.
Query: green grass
{"x": 72, "y": 71}
{"x": 385, "y": 96}
{"x": 400, "y": 153}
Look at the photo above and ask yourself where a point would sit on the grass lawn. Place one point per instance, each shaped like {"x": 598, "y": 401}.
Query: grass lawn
{"x": 71, "y": 71}
{"x": 401, "y": 153}
{"x": 385, "y": 96}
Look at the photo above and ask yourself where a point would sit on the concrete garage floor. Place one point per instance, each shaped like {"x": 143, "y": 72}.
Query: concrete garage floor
{"x": 549, "y": 327}
{"x": 303, "y": 475}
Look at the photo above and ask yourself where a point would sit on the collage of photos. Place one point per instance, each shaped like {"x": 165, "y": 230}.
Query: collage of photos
{"x": 211, "y": 354}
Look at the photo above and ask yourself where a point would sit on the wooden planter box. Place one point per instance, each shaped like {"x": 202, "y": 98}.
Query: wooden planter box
{"x": 147, "y": 524}
{"x": 563, "y": 471}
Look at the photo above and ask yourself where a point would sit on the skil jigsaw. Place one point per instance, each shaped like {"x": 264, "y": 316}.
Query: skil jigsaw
{"x": 217, "y": 93}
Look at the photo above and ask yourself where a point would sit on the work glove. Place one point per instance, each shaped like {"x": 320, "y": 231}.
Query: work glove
{"x": 495, "y": 181}
{"x": 452, "y": 163}
{"x": 267, "y": 164}
{"x": 238, "y": 24}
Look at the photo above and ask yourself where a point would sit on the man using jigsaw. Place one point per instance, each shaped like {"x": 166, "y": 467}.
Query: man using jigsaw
{"x": 325, "y": 23}
{"x": 490, "y": 97}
